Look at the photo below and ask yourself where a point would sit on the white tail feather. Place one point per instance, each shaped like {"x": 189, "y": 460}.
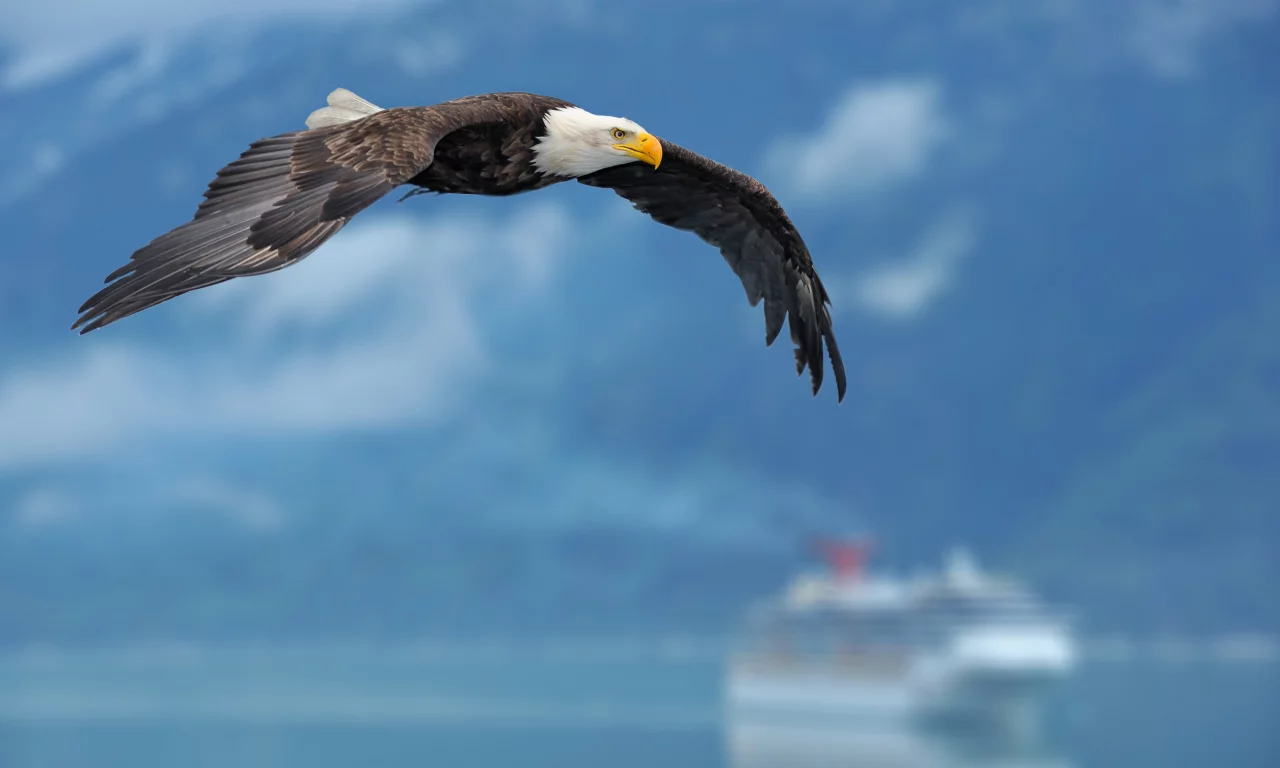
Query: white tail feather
{"x": 344, "y": 107}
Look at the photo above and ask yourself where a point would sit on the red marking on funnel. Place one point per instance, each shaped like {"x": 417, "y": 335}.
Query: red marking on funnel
{"x": 846, "y": 558}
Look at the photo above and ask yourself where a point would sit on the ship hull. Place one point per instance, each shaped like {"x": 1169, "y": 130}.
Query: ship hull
{"x": 919, "y": 694}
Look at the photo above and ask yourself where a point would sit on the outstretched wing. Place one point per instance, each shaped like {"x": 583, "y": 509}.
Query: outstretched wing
{"x": 277, "y": 203}
{"x": 738, "y": 215}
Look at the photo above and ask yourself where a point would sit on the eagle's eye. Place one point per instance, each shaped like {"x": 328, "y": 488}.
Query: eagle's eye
{"x": 619, "y": 134}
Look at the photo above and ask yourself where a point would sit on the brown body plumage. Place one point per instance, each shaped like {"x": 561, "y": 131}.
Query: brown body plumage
{"x": 289, "y": 193}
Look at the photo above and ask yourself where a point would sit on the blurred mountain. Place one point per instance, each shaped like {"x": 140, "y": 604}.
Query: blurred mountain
{"x": 1088, "y": 394}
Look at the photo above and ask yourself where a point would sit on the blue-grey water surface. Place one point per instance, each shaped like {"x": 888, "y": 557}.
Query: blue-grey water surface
{"x": 578, "y": 705}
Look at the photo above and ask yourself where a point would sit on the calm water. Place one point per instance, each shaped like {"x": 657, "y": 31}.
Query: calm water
{"x": 573, "y": 706}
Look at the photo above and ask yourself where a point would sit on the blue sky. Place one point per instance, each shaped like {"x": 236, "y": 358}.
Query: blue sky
{"x": 558, "y": 358}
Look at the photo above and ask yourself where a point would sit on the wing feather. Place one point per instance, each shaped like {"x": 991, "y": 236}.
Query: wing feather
{"x": 737, "y": 214}
{"x": 279, "y": 201}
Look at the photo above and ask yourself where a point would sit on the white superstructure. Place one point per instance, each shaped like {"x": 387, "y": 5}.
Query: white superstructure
{"x": 958, "y": 647}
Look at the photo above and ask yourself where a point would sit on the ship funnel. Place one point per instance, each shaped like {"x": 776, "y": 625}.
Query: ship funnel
{"x": 845, "y": 558}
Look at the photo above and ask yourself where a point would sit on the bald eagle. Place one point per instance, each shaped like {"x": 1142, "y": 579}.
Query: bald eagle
{"x": 287, "y": 194}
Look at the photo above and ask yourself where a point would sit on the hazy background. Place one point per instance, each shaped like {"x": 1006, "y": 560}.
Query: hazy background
{"x": 1049, "y": 229}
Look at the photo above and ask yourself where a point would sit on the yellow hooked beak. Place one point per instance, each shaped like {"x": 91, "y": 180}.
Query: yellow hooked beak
{"x": 644, "y": 147}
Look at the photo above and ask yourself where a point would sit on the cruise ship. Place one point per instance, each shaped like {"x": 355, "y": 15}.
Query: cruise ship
{"x": 958, "y": 647}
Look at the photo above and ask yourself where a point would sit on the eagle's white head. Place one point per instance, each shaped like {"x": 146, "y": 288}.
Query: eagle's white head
{"x": 578, "y": 142}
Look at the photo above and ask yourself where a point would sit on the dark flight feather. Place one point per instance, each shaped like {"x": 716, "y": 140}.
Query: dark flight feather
{"x": 738, "y": 215}
{"x": 286, "y": 195}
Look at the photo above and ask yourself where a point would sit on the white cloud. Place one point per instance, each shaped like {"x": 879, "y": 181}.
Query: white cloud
{"x": 50, "y": 37}
{"x": 123, "y": 98}
{"x": 143, "y": 69}
{"x": 414, "y": 263}
{"x": 570, "y": 488}
{"x": 878, "y": 133}
{"x": 409, "y": 295}
{"x": 423, "y": 57}
{"x": 248, "y": 507}
{"x": 904, "y": 289}
{"x": 43, "y": 507}
{"x": 1168, "y": 36}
